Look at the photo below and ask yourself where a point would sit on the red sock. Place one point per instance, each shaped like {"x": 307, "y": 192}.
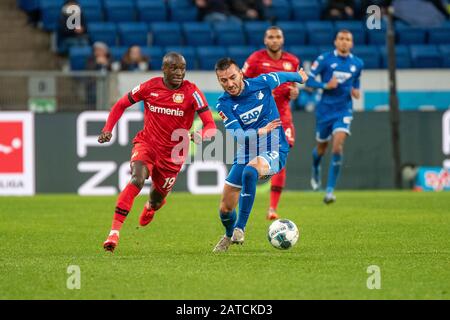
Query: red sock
{"x": 278, "y": 182}
{"x": 123, "y": 205}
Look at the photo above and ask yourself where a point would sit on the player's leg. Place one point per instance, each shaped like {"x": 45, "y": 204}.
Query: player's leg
{"x": 335, "y": 165}
{"x": 139, "y": 172}
{"x": 323, "y": 135}
{"x": 278, "y": 180}
{"x": 227, "y": 214}
{"x": 163, "y": 181}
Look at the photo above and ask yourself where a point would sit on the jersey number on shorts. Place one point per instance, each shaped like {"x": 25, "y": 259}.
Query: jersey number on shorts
{"x": 169, "y": 183}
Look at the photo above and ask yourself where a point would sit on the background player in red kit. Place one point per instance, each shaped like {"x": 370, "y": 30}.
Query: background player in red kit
{"x": 271, "y": 59}
{"x": 170, "y": 104}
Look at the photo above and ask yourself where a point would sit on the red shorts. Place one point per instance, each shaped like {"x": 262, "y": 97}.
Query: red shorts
{"x": 289, "y": 132}
{"x": 162, "y": 170}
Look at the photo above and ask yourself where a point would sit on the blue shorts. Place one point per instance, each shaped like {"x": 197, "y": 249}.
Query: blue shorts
{"x": 325, "y": 130}
{"x": 275, "y": 160}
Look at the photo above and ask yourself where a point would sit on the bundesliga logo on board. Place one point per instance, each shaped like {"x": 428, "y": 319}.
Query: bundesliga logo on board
{"x": 11, "y": 147}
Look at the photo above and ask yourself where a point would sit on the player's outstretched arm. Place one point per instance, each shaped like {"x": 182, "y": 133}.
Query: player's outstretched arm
{"x": 114, "y": 116}
{"x": 209, "y": 127}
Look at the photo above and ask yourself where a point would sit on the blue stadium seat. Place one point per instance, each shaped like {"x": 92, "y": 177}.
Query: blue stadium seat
{"x": 240, "y": 53}
{"x": 409, "y": 35}
{"x": 425, "y": 56}
{"x": 180, "y": 3}
{"x": 117, "y": 53}
{"x": 183, "y": 14}
{"x": 306, "y": 10}
{"x": 92, "y": 13}
{"x": 198, "y": 33}
{"x": 103, "y": 31}
{"x": 28, "y": 5}
{"x": 370, "y": 55}
{"x": 355, "y": 27}
{"x": 229, "y": 33}
{"x": 377, "y": 36}
{"x": 133, "y": 33}
{"x": 120, "y": 10}
{"x": 152, "y": 11}
{"x": 326, "y": 48}
{"x": 294, "y": 32}
{"x": 188, "y": 53}
{"x": 50, "y": 12}
{"x": 320, "y": 32}
{"x": 402, "y": 57}
{"x": 305, "y": 53}
{"x": 254, "y": 31}
{"x": 444, "y": 49}
{"x": 280, "y": 10}
{"x": 155, "y": 54}
{"x": 208, "y": 56}
{"x": 78, "y": 57}
{"x": 440, "y": 35}
{"x": 166, "y": 34}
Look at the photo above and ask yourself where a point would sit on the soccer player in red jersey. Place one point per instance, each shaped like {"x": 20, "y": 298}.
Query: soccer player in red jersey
{"x": 170, "y": 106}
{"x": 267, "y": 60}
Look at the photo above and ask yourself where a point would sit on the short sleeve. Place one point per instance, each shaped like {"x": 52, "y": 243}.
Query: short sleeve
{"x": 250, "y": 67}
{"x": 199, "y": 100}
{"x": 137, "y": 93}
{"x": 317, "y": 66}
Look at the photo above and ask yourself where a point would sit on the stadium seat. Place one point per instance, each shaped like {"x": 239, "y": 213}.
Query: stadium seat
{"x": 280, "y": 10}
{"x": 240, "y": 53}
{"x": 188, "y": 53}
{"x": 208, "y": 56}
{"x": 229, "y": 33}
{"x": 402, "y": 57}
{"x": 306, "y": 10}
{"x": 166, "y": 34}
{"x": 370, "y": 55}
{"x": 355, "y": 27}
{"x": 305, "y": 53}
{"x": 440, "y": 35}
{"x": 117, "y": 53}
{"x": 180, "y": 3}
{"x": 198, "y": 33}
{"x": 50, "y": 12}
{"x": 254, "y": 31}
{"x": 294, "y": 32}
{"x": 377, "y": 36}
{"x": 78, "y": 57}
{"x": 320, "y": 32}
{"x": 409, "y": 35}
{"x": 152, "y": 11}
{"x": 425, "y": 56}
{"x": 183, "y": 14}
{"x": 155, "y": 54}
{"x": 103, "y": 31}
{"x": 28, "y": 5}
{"x": 120, "y": 10}
{"x": 133, "y": 33}
{"x": 92, "y": 13}
{"x": 444, "y": 49}
{"x": 326, "y": 48}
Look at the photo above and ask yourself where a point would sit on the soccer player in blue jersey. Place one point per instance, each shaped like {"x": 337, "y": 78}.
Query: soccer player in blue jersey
{"x": 249, "y": 113}
{"x": 339, "y": 71}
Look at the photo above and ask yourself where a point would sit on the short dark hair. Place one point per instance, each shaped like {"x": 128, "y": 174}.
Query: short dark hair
{"x": 273, "y": 28}
{"x": 342, "y": 31}
{"x": 225, "y": 63}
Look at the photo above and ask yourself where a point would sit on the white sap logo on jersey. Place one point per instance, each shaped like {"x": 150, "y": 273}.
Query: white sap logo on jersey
{"x": 341, "y": 76}
{"x": 251, "y": 115}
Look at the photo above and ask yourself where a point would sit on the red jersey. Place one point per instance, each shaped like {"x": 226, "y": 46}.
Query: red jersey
{"x": 260, "y": 62}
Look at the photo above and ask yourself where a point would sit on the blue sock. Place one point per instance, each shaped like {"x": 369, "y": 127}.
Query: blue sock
{"x": 316, "y": 163}
{"x": 228, "y": 221}
{"x": 333, "y": 171}
{"x": 247, "y": 197}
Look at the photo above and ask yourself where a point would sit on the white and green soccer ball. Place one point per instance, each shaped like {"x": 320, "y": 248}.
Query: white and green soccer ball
{"x": 283, "y": 234}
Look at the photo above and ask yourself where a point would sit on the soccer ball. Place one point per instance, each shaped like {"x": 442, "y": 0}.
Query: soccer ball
{"x": 283, "y": 234}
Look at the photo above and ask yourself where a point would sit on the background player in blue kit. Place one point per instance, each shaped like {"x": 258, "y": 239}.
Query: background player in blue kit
{"x": 250, "y": 114}
{"x": 340, "y": 71}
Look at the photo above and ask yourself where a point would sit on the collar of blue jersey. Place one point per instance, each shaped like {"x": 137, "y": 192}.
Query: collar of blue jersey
{"x": 337, "y": 55}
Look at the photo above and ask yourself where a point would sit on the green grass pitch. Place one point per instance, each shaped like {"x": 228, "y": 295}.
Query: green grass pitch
{"x": 405, "y": 234}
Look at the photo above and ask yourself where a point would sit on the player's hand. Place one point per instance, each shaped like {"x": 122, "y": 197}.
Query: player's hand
{"x": 303, "y": 74}
{"x": 195, "y": 137}
{"x": 356, "y": 93}
{"x": 105, "y": 136}
{"x": 293, "y": 92}
{"x": 332, "y": 84}
{"x": 269, "y": 127}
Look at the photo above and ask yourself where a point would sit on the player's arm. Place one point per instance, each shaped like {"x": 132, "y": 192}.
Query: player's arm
{"x": 316, "y": 69}
{"x": 356, "y": 93}
{"x": 209, "y": 127}
{"x": 275, "y": 79}
{"x": 116, "y": 112}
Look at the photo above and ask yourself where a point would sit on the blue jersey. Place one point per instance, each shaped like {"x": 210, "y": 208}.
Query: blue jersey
{"x": 337, "y": 102}
{"x": 254, "y": 108}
